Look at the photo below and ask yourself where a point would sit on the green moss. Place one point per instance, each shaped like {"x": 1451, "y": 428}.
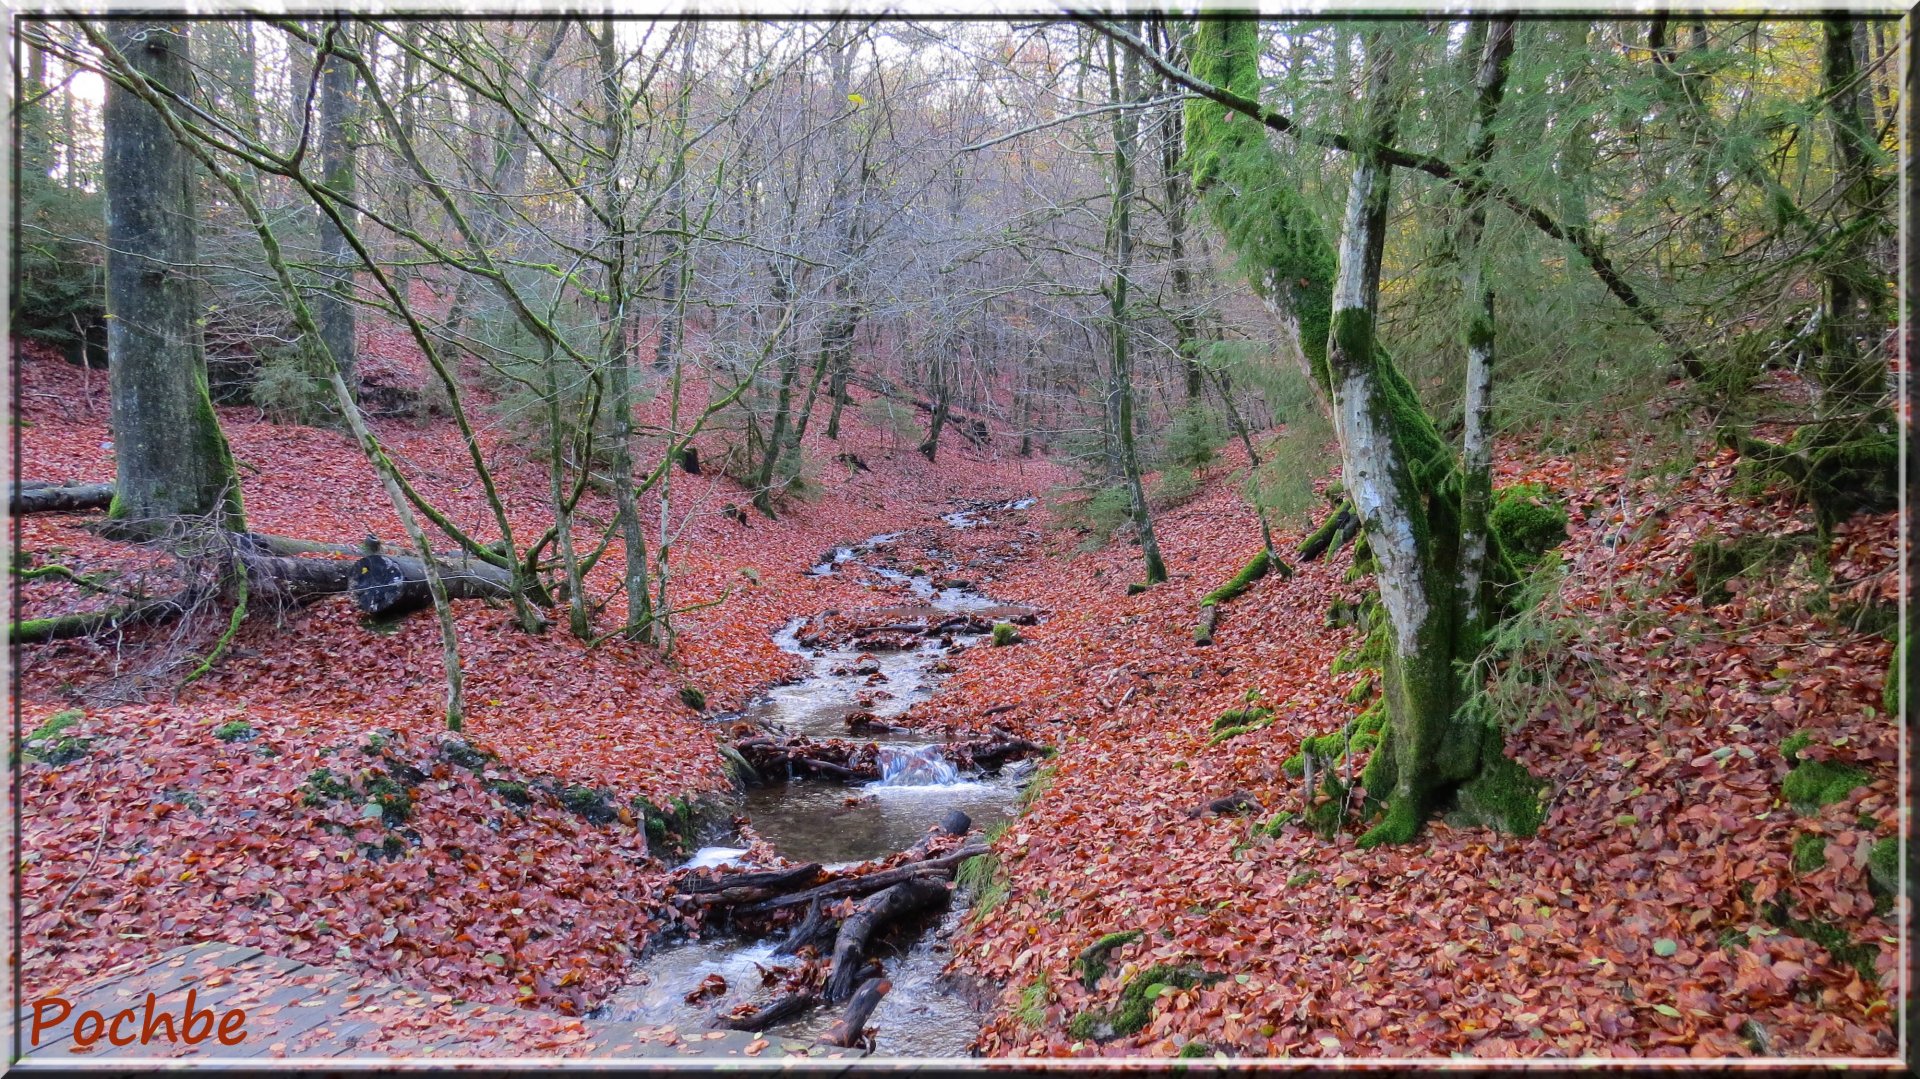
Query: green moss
{"x": 1839, "y": 944}
{"x": 49, "y": 744}
{"x": 323, "y": 786}
{"x": 1301, "y": 880}
{"x": 1276, "y": 238}
{"x": 1504, "y": 797}
{"x": 1276, "y": 824}
{"x": 1714, "y": 562}
{"x": 396, "y": 804}
{"x": 1812, "y": 784}
{"x": 1883, "y": 865}
{"x": 1005, "y": 634}
{"x": 1031, "y": 1011}
{"x": 1137, "y": 587}
{"x": 1136, "y": 1000}
{"x": 1192, "y": 1050}
{"x": 1527, "y": 520}
{"x": 693, "y": 697}
{"x": 1094, "y": 1024}
{"x": 1092, "y": 962}
{"x": 1792, "y": 744}
{"x": 238, "y": 730}
{"x": 590, "y": 803}
{"x": 1295, "y": 766}
{"x": 1400, "y": 824}
{"x": 512, "y": 791}
{"x": 1809, "y": 852}
{"x": 1255, "y": 569}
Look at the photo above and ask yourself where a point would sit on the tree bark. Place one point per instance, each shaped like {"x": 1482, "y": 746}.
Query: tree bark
{"x": 171, "y": 458}
{"x": 332, "y": 302}
{"x": 31, "y": 497}
{"x": 1490, "y": 81}
{"x": 847, "y": 1030}
{"x": 1126, "y": 127}
{"x": 898, "y": 901}
{"x": 1392, "y": 462}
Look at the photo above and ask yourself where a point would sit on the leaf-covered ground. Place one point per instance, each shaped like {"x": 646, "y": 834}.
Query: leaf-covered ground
{"x": 1658, "y": 911}
{"x": 162, "y": 833}
{"x": 1635, "y": 923}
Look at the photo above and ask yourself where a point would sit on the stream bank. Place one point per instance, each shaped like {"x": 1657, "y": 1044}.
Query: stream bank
{"x": 843, "y": 784}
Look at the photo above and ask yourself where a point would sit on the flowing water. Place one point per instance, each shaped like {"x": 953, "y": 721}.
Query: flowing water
{"x": 838, "y": 824}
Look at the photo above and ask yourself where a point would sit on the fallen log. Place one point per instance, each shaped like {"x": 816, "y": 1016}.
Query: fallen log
{"x": 1335, "y": 528}
{"x": 814, "y": 929}
{"x": 779, "y": 1011}
{"x": 388, "y": 586}
{"x": 89, "y": 623}
{"x": 1209, "y": 618}
{"x": 868, "y": 883}
{"x": 775, "y": 880}
{"x": 32, "y": 496}
{"x": 892, "y": 904}
{"x": 847, "y": 1030}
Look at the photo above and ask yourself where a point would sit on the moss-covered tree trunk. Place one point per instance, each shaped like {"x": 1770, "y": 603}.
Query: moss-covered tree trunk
{"x": 620, "y": 340}
{"x": 1395, "y": 469}
{"x": 1126, "y": 137}
{"x": 1277, "y": 239}
{"x": 1853, "y": 367}
{"x": 333, "y": 302}
{"x": 1476, "y": 293}
{"x": 171, "y": 459}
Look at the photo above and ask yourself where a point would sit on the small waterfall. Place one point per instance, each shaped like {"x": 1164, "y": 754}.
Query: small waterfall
{"x": 916, "y": 766}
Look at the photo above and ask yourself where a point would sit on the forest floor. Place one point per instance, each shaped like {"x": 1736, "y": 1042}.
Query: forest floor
{"x": 1660, "y": 909}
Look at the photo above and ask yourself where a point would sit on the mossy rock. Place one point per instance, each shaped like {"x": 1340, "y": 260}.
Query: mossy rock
{"x": 1192, "y": 1050}
{"x": 1092, "y": 961}
{"x": 1813, "y": 784}
{"x": 594, "y": 805}
{"x": 1361, "y": 691}
{"x": 693, "y": 697}
{"x": 1809, "y": 852}
{"x": 1295, "y": 766}
{"x": 1005, "y": 634}
{"x": 512, "y": 791}
{"x": 393, "y": 798}
{"x": 1136, "y": 1000}
{"x": 49, "y": 744}
{"x": 466, "y": 755}
{"x": 1715, "y": 562}
{"x": 1528, "y": 520}
{"x": 322, "y": 786}
{"x": 1504, "y": 797}
{"x": 238, "y": 730}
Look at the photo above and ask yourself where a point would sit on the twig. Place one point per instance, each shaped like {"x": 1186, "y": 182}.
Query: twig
{"x": 105, "y": 818}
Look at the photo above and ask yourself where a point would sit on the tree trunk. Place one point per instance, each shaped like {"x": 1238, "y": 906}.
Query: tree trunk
{"x": 1853, "y": 368}
{"x": 171, "y": 458}
{"x": 1392, "y": 460}
{"x": 332, "y": 302}
{"x": 1490, "y": 80}
{"x": 1126, "y": 128}
{"x": 619, "y": 343}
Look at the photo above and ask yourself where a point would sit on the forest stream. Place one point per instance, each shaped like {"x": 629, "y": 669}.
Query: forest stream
{"x": 810, "y": 819}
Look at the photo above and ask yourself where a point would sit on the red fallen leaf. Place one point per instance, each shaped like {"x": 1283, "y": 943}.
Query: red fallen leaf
{"x": 710, "y": 986}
